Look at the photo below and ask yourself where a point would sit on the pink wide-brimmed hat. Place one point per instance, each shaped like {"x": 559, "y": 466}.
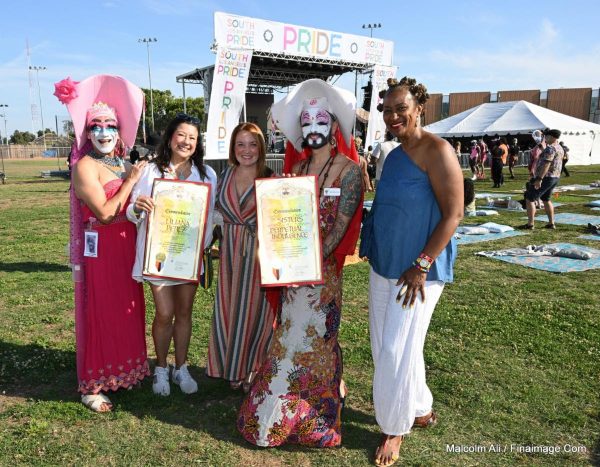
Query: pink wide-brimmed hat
{"x": 121, "y": 95}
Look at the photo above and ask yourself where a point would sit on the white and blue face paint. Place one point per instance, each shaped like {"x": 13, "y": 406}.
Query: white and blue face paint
{"x": 104, "y": 136}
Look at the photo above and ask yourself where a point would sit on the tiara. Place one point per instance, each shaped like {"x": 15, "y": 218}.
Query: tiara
{"x": 100, "y": 109}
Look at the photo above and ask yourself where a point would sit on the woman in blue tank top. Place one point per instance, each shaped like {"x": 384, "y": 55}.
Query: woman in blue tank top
{"x": 408, "y": 239}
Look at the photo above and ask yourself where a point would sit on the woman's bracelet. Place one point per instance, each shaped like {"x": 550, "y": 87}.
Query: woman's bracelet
{"x": 423, "y": 263}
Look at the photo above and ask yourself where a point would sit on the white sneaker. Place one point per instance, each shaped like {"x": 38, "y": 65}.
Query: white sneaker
{"x": 184, "y": 380}
{"x": 160, "y": 385}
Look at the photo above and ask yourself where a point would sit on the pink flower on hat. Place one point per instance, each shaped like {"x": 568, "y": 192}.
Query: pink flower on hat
{"x": 65, "y": 90}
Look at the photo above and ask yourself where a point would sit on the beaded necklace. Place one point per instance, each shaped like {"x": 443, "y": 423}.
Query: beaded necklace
{"x": 114, "y": 164}
{"x": 327, "y": 165}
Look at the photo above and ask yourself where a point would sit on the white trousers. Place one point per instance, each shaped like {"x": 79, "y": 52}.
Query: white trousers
{"x": 400, "y": 392}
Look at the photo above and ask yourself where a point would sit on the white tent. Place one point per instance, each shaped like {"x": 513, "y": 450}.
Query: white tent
{"x": 521, "y": 117}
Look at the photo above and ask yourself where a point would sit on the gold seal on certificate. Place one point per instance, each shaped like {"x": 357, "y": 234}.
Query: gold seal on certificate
{"x": 289, "y": 240}
{"x": 175, "y": 236}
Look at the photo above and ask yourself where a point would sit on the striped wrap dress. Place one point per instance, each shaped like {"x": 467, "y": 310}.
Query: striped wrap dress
{"x": 242, "y": 325}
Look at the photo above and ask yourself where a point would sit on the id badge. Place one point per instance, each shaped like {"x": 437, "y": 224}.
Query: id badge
{"x": 90, "y": 244}
{"x": 332, "y": 191}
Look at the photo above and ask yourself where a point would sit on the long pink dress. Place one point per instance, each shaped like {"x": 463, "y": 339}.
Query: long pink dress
{"x": 110, "y": 328}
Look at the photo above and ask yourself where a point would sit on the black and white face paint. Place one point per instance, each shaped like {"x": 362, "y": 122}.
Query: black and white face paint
{"x": 316, "y": 125}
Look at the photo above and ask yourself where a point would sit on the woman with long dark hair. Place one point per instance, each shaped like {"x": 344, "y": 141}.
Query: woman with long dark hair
{"x": 179, "y": 156}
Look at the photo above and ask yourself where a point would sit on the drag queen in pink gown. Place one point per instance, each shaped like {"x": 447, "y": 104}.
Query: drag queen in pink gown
{"x": 109, "y": 304}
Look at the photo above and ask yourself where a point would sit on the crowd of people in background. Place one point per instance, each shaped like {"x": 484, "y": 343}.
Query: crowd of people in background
{"x": 497, "y": 152}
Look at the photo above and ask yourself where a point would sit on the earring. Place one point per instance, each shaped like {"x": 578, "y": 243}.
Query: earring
{"x": 418, "y": 121}
{"x": 333, "y": 144}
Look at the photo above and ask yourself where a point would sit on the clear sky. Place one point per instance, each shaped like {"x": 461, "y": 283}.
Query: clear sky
{"x": 449, "y": 46}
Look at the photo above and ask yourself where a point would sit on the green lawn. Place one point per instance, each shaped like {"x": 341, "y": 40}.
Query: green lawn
{"x": 513, "y": 357}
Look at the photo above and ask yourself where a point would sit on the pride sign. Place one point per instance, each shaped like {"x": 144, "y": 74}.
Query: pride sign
{"x": 234, "y": 31}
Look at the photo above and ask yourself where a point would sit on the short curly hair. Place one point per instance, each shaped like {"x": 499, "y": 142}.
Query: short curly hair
{"x": 418, "y": 90}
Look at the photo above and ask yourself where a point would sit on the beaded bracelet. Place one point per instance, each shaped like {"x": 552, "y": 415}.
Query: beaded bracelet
{"x": 423, "y": 263}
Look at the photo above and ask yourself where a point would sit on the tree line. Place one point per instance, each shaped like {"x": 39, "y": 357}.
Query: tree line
{"x": 166, "y": 106}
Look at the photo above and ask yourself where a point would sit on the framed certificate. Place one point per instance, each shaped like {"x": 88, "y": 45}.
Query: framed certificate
{"x": 289, "y": 239}
{"x": 175, "y": 230}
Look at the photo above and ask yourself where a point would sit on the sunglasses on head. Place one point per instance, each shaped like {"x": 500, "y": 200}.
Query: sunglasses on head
{"x": 187, "y": 118}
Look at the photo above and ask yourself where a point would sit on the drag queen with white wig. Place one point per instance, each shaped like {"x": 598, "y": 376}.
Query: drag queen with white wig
{"x": 296, "y": 396}
{"x": 109, "y": 304}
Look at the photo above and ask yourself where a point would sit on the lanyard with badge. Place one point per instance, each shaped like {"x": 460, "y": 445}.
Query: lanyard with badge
{"x": 90, "y": 240}
{"x": 332, "y": 191}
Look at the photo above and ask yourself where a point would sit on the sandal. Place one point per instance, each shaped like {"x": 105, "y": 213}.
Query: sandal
{"x": 98, "y": 403}
{"x": 247, "y": 384}
{"x": 235, "y": 385}
{"x": 550, "y": 226}
{"x": 426, "y": 421}
{"x": 382, "y": 447}
{"x": 343, "y": 395}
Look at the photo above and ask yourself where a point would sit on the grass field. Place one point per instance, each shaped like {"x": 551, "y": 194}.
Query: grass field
{"x": 513, "y": 358}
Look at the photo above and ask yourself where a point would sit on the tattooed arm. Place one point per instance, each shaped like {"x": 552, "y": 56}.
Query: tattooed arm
{"x": 351, "y": 190}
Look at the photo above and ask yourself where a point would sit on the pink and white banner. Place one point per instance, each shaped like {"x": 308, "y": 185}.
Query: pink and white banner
{"x": 282, "y": 38}
{"x": 376, "y": 127}
{"x": 227, "y": 99}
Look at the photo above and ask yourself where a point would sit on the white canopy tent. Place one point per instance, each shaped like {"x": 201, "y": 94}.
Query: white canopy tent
{"x": 521, "y": 117}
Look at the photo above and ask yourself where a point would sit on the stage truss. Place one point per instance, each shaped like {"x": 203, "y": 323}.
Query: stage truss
{"x": 270, "y": 72}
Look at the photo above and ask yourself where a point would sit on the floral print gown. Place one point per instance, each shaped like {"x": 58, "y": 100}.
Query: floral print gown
{"x": 295, "y": 397}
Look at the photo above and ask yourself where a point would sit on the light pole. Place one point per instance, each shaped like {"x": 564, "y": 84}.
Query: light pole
{"x": 371, "y": 27}
{"x": 5, "y": 134}
{"x": 1, "y": 153}
{"x": 37, "y": 77}
{"x": 147, "y": 41}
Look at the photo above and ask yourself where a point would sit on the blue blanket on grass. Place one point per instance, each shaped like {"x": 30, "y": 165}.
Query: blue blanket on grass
{"x": 590, "y": 237}
{"x": 571, "y": 218}
{"x": 468, "y": 239}
{"x": 556, "y": 263}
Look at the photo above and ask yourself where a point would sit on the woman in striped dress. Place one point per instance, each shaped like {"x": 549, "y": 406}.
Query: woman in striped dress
{"x": 243, "y": 319}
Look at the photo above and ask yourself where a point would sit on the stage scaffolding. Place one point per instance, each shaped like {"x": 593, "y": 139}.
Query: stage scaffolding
{"x": 270, "y": 72}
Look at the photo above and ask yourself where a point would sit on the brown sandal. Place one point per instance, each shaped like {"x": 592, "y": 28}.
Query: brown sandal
{"x": 426, "y": 421}
{"x": 395, "y": 455}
